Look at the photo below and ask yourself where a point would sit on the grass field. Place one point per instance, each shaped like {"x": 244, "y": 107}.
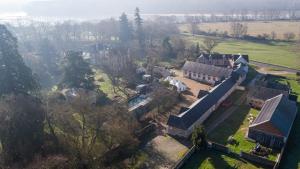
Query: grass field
{"x": 216, "y": 114}
{"x": 254, "y": 28}
{"x": 105, "y": 84}
{"x": 236, "y": 125}
{"x": 216, "y": 160}
{"x": 279, "y": 53}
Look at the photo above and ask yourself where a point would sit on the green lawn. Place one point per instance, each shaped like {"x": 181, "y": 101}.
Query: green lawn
{"x": 279, "y": 53}
{"x": 216, "y": 114}
{"x": 291, "y": 158}
{"x": 105, "y": 84}
{"x": 215, "y": 160}
{"x": 237, "y": 125}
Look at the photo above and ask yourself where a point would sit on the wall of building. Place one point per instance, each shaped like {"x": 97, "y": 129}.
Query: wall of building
{"x": 177, "y": 132}
{"x": 201, "y": 120}
{"x": 202, "y": 77}
{"x": 266, "y": 139}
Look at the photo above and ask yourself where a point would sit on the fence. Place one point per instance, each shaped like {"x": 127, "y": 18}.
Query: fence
{"x": 221, "y": 148}
{"x": 182, "y": 161}
{"x": 257, "y": 159}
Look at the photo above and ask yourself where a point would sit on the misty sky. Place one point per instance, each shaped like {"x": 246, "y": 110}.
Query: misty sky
{"x": 89, "y": 8}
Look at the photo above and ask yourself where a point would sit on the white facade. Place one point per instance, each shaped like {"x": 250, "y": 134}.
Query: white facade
{"x": 201, "y": 77}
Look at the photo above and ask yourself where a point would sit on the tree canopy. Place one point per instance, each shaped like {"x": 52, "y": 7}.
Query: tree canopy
{"x": 15, "y": 76}
{"x": 125, "y": 29}
{"x": 77, "y": 72}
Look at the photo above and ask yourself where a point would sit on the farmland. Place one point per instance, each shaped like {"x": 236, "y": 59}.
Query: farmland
{"x": 254, "y": 28}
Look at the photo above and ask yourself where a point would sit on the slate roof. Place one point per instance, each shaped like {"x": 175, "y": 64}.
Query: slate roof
{"x": 266, "y": 90}
{"x": 197, "y": 109}
{"x": 263, "y": 93}
{"x": 280, "y": 112}
{"x": 227, "y": 56}
{"x": 210, "y": 70}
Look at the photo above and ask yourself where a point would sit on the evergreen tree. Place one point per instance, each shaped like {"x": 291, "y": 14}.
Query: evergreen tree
{"x": 139, "y": 29}
{"x": 21, "y": 115}
{"x": 47, "y": 67}
{"x": 125, "y": 30}
{"x": 15, "y": 76}
{"x": 77, "y": 72}
{"x": 48, "y": 55}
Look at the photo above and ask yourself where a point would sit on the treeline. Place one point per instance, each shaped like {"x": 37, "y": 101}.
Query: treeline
{"x": 73, "y": 127}
{"x": 239, "y": 30}
{"x": 244, "y": 15}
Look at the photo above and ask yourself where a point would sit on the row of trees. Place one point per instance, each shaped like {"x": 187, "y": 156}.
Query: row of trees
{"x": 245, "y": 15}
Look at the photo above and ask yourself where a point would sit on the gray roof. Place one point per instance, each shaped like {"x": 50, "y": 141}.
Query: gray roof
{"x": 197, "y": 109}
{"x": 221, "y": 56}
{"x": 207, "y": 69}
{"x": 280, "y": 112}
{"x": 265, "y": 93}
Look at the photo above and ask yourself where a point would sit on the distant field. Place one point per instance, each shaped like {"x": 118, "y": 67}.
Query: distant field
{"x": 254, "y": 28}
{"x": 279, "y": 53}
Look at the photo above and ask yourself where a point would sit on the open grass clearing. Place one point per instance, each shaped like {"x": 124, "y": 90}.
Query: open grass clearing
{"x": 237, "y": 126}
{"x": 215, "y": 160}
{"x": 106, "y": 85}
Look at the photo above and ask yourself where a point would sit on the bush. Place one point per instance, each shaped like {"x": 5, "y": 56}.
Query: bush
{"x": 101, "y": 79}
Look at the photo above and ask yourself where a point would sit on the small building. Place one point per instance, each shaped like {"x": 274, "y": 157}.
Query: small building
{"x": 180, "y": 86}
{"x": 222, "y": 60}
{"x": 263, "y": 89}
{"x": 273, "y": 125}
{"x": 147, "y": 78}
{"x": 161, "y": 71}
{"x": 209, "y": 74}
{"x": 141, "y": 70}
{"x": 142, "y": 88}
{"x": 71, "y": 94}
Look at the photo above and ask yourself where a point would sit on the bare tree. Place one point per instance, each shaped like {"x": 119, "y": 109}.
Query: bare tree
{"x": 120, "y": 69}
{"x": 209, "y": 44}
{"x": 163, "y": 99}
{"x": 273, "y": 35}
{"x": 194, "y": 28}
{"x": 289, "y": 36}
{"x": 88, "y": 132}
{"x": 238, "y": 30}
